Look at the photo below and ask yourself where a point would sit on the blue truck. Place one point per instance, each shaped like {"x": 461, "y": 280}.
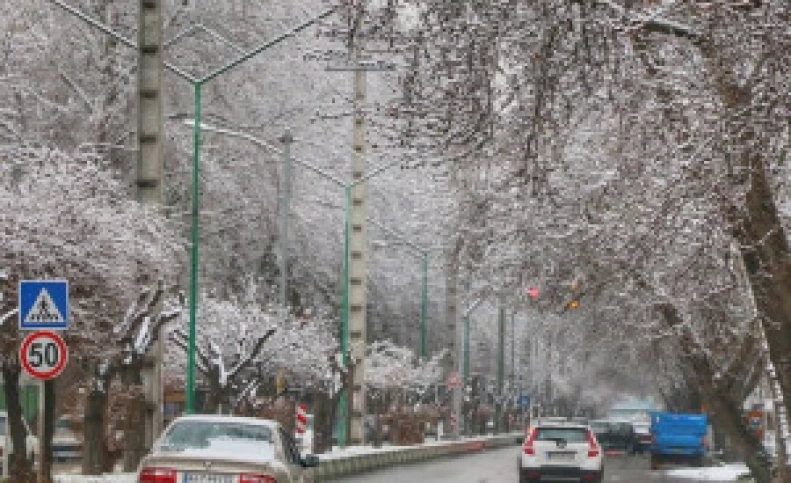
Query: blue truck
{"x": 678, "y": 438}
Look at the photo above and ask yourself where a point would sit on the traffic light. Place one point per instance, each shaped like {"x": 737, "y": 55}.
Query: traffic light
{"x": 280, "y": 381}
{"x": 575, "y": 290}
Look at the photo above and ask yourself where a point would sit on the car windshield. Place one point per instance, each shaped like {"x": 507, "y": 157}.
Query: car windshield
{"x": 622, "y": 428}
{"x": 570, "y": 435}
{"x": 232, "y": 440}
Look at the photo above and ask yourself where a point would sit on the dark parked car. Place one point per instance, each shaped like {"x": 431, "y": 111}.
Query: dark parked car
{"x": 615, "y": 435}
{"x": 643, "y": 438}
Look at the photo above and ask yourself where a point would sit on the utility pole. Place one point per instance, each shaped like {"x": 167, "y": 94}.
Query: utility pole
{"x": 513, "y": 350}
{"x": 454, "y": 334}
{"x": 500, "y": 365}
{"x": 358, "y": 333}
{"x": 514, "y": 392}
{"x": 285, "y": 201}
{"x": 149, "y": 178}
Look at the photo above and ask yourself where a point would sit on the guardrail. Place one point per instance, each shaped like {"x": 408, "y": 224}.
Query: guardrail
{"x": 346, "y": 465}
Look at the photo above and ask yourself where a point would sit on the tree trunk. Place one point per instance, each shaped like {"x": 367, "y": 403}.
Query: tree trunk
{"x": 94, "y": 450}
{"x": 378, "y": 407}
{"x": 216, "y": 395}
{"x": 767, "y": 259}
{"x": 727, "y": 416}
{"x": 290, "y": 424}
{"x": 758, "y": 227}
{"x": 724, "y": 402}
{"x": 323, "y": 422}
{"x": 134, "y": 431}
{"x": 20, "y": 468}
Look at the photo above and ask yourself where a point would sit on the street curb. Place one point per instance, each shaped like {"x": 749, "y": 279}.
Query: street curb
{"x": 356, "y": 464}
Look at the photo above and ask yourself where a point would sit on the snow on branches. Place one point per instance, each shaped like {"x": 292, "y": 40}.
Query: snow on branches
{"x": 390, "y": 367}
{"x": 231, "y": 336}
{"x": 65, "y": 216}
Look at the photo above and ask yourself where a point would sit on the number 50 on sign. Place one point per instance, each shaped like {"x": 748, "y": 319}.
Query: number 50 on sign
{"x": 43, "y": 355}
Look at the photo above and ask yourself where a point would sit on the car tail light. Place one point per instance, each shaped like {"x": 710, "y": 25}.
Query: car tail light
{"x": 593, "y": 448}
{"x": 157, "y": 475}
{"x": 251, "y": 478}
{"x": 528, "y": 447}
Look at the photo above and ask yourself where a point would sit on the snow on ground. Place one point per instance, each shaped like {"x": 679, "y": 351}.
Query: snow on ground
{"x": 712, "y": 473}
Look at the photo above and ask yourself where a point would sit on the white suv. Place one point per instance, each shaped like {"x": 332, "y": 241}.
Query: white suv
{"x": 561, "y": 451}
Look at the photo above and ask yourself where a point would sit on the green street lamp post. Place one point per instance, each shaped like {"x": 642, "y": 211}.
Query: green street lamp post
{"x": 424, "y": 265}
{"x": 197, "y": 83}
{"x": 347, "y": 189}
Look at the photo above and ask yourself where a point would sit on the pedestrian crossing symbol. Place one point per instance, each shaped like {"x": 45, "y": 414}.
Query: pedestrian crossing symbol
{"x": 43, "y": 305}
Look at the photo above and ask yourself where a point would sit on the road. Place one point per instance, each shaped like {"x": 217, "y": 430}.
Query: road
{"x": 499, "y": 466}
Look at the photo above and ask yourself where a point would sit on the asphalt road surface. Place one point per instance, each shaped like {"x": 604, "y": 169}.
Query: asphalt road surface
{"x": 499, "y": 466}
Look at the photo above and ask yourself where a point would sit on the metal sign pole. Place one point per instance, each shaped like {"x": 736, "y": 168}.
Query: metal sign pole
{"x": 41, "y": 457}
{"x": 6, "y": 448}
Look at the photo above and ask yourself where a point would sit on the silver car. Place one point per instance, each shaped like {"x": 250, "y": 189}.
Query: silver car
{"x": 225, "y": 449}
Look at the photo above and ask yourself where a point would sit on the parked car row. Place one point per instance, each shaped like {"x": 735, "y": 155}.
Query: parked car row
{"x": 564, "y": 448}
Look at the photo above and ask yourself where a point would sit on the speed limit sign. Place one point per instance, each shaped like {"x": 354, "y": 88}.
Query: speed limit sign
{"x": 43, "y": 355}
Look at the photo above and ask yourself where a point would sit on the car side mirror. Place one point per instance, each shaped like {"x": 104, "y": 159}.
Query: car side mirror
{"x": 310, "y": 461}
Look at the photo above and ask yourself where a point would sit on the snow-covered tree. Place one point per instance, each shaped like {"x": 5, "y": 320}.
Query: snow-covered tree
{"x": 66, "y": 217}
{"x": 231, "y": 335}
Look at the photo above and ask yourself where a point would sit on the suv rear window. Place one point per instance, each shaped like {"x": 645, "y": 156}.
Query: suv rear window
{"x": 570, "y": 435}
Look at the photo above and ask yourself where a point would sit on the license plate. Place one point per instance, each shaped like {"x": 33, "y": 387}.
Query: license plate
{"x": 561, "y": 456}
{"x": 208, "y": 478}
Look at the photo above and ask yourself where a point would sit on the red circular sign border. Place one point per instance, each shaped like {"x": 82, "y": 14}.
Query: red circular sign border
{"x": 61, "y": 345}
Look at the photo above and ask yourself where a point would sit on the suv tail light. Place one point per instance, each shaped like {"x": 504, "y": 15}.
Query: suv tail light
{"x": 157, "y": 475}
{"x": 593, "y": 448}
{"x": 250, "y": 478}
{"x": 528, "y": 446}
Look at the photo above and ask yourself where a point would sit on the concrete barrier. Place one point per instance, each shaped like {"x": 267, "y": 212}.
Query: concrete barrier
{"x": 341, "y": 466}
